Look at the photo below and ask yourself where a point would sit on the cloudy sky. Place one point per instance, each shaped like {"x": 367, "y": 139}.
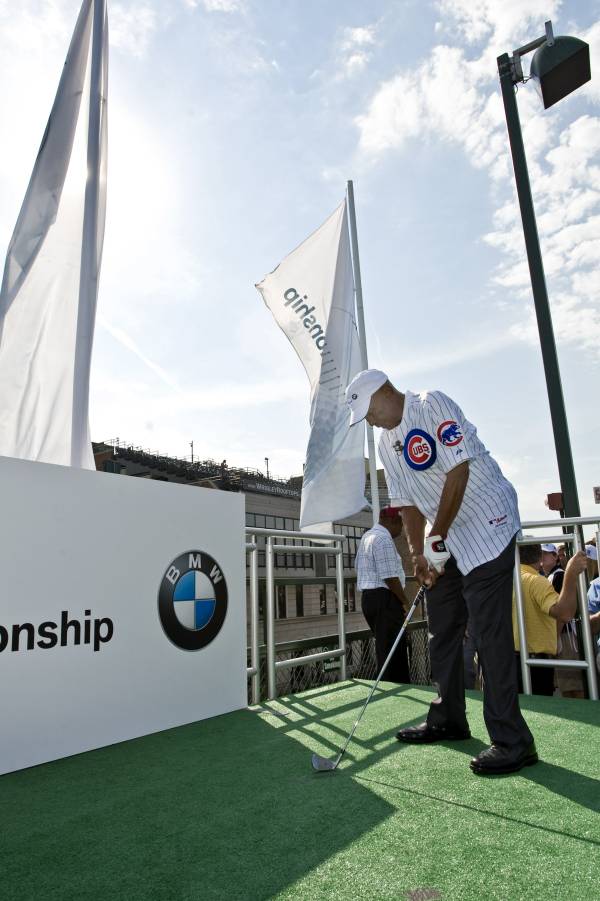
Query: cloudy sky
{"x": 233, "y": 127}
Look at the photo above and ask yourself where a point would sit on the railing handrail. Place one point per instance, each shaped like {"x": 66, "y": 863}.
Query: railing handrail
{"x": 567, "y": 521}
{"x": 300, "y": 644}
{"x": 588, "y": 664}
{"x": 335, "y": 544}
{"x": 291, "y": 533}
{"x": 335, "y": 539}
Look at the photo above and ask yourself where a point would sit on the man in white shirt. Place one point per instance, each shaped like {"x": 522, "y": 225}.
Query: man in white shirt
{"x": 380, "y": 578}
{"x": 438, "y": 470}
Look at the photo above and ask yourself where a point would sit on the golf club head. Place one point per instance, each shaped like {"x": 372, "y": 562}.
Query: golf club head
{"x": 324, "y": 764}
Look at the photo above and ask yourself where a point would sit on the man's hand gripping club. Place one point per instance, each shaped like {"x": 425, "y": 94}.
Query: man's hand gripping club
{"x": 429, "y": 555}
{"x": 430, "y": 564}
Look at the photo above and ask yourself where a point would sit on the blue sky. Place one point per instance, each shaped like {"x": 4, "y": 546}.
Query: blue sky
{"x": 233, "y": 127}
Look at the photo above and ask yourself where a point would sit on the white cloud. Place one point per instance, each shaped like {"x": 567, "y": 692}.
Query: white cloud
{"x": 592, "y": 37}
{"x": 220, "y": 6}
{"x": 128, "y": 343}
{"x": 359, "y": 37}
{"x": 566, "y": 185}
{"x": 501, "y": 23}
{"x": 453, "y": 97}
{"x": 355, "y": 49}
{"x": 441, "y": 99}
{"x": 132, "y": 27}
{"x": 356, "y": 62}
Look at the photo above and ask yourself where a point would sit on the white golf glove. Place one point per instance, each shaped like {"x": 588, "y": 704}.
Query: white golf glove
{"x": 436, "y": 553}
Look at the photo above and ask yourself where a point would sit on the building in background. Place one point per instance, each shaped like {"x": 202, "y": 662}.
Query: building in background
{"x": 305, "y": 592}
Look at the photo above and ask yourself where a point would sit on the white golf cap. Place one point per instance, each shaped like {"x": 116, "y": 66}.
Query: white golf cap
{"x": 360, "y": 391}
{"x": 550, "y": 548}
{"x": 591, "y": 552}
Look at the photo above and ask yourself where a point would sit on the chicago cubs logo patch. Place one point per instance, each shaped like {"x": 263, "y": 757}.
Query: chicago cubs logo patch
{"x": 419, "y": 449}
{"x": 449, "y": 433}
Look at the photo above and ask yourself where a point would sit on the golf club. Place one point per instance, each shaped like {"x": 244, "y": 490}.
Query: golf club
{"x": 324, "y": 764}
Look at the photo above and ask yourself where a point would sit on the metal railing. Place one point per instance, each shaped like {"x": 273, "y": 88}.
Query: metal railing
{"x": 327, "y": 544}
{"x": 573, "y": 537}
{"x": 361, "y": 660}
{"x": 332, "y": 545}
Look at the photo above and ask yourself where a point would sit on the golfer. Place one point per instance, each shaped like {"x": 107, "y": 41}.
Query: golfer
{"x": 380, "y": 577}
{"x": 438, "y": 471}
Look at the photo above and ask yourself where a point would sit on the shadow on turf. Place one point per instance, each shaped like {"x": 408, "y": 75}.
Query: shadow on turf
{"x": 483, "y": 810}
{"x": 314, "y": 717}
{"x": 225, "y": 808}
{"x": 316, "y": 726}
{"x": 568, "y": 784}
{"x": 575, "y": 709}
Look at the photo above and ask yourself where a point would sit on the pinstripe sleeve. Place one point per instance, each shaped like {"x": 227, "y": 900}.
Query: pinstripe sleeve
{"x": 447, "y": 424}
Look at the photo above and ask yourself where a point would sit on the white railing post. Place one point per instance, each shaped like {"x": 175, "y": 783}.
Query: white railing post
{"x": 524, "y": 654}
{"x": 575, "y": 537}
{"x": 270, "y": 614}
{"x": 339, "y": 575}
{"x": 254, "y": 612}
{"x": 586, "y": 632}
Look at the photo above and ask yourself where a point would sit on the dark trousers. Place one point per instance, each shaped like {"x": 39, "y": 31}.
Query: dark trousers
{"x": 385, "y": 615}
{"x": 484, "y": 597}
{"x": 469, "y": 651}
{"x": 542, "y": 677}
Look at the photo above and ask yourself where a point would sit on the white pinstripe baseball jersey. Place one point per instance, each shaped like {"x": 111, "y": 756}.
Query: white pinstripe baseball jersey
{"x": 377, "y": 559}
{"x": 432, "y": 438}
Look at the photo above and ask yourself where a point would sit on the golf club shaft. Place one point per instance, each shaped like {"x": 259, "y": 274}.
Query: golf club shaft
{"x": 418, "y": 598}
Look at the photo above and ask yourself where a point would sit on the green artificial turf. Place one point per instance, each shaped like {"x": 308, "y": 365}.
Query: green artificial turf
{"x": 229, "y": 808}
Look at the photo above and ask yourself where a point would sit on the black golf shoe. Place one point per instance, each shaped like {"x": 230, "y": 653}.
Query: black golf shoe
{"x": 424, "y": 734}
{"x": 497, "y": 760}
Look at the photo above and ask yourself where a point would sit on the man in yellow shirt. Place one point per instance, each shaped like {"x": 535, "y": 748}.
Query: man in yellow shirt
{"x": 543, "y": 609}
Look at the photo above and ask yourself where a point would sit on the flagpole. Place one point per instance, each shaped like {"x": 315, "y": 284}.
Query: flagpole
{"x": 88, "y": 278}
{"x": 362, "y": 336}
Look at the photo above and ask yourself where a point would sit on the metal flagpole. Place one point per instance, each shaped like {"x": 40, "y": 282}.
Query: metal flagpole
{"x": 91, "y": 239}
{"x": 362, "y": 335}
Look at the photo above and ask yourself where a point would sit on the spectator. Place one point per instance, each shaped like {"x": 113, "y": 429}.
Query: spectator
{"x": 592, "y": 555}
{"x": 380, "y": 578}
{"x": 569, "y": 680}
{"x": 561, "y": 550}
{"x": 551, "y": 566}
{"x": 594, "y": 609}
{"x": 543, "y": 609}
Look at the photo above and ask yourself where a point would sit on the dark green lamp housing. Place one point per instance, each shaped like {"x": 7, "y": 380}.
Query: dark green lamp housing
{"x": 559, "y": 68}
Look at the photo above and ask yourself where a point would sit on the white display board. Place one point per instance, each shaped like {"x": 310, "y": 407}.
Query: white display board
{"x": 85, "y": 655}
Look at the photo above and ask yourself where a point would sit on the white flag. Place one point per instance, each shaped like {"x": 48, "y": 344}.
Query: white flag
{"x": 50, "y": 284}
{"x": 311, "y": 296}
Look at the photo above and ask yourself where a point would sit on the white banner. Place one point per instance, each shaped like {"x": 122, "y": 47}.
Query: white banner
{"x": 311, "y": 296}
{"x": 123, "y": 609}
{"x": 49, "y": 290}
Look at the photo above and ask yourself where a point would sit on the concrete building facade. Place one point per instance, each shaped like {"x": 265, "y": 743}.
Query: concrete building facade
{"x": 305, "y": 592}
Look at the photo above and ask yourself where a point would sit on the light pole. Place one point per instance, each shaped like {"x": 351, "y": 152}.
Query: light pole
{"x": 559, "y": 66}
{"x": 267, "y": 462}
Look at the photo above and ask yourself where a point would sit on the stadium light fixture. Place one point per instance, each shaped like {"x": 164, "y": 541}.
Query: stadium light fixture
{"x": 560, "y": 65}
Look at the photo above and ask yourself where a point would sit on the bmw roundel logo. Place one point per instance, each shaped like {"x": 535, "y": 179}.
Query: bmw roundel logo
{"x": 192, "y": 600}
